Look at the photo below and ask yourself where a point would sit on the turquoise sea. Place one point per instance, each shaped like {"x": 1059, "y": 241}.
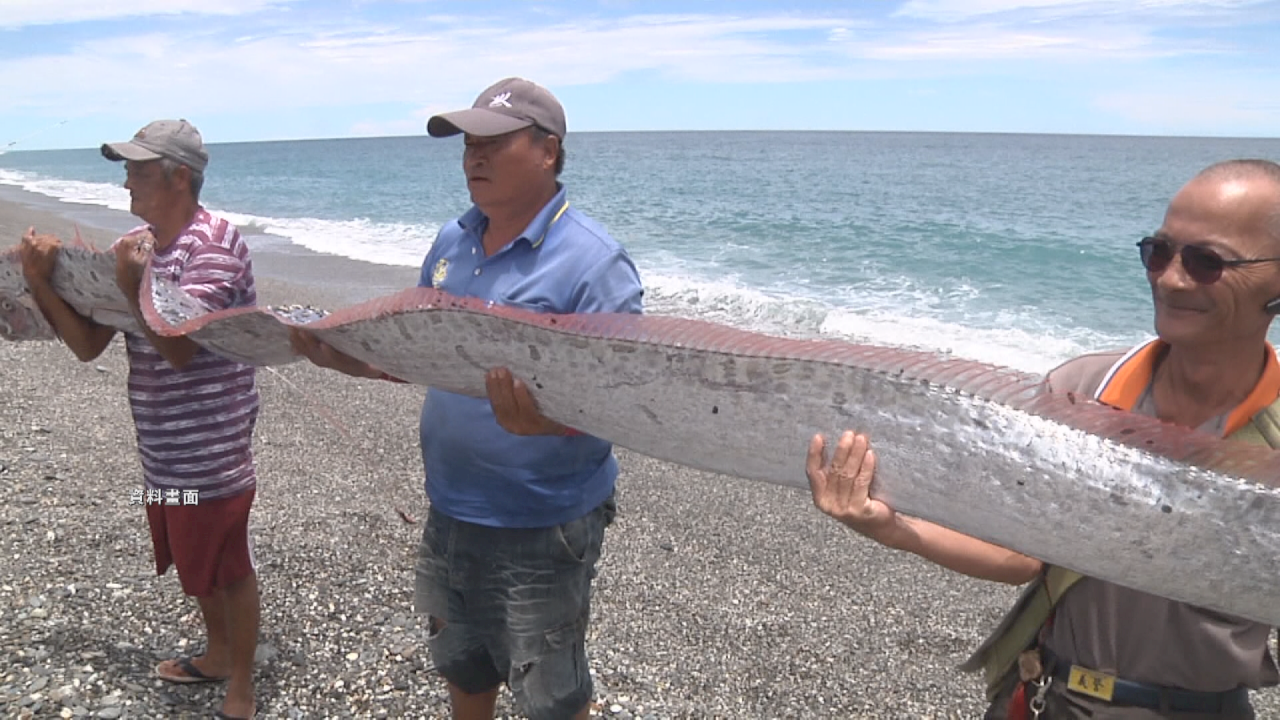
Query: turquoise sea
{"x": 1012, "y": 249}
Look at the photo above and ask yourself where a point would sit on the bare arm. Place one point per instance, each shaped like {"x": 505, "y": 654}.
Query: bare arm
{"x": 841, "y": 489}
{"x": 962, "y": 553}
{"x": 86, "y": 338}
{"x": 131, "y": 259}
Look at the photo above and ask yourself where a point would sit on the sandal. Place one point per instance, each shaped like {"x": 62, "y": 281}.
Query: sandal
{"x": 191, "y": 674}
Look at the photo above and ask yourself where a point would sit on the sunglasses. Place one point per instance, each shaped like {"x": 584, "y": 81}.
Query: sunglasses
{"x": 1201, "y": 264}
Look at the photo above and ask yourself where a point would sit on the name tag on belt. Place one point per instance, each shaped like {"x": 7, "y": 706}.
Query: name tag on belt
{"x": 1092, "y": 683}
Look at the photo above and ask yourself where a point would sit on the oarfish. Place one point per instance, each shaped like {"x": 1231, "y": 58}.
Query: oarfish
{"x": 83, "y": 276}
{"x": 981, "y": 449}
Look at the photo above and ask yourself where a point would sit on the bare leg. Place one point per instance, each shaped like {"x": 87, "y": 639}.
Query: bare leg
{"x": 472, "y": 707}
{"x": 241, "y": 613}
{"x": 216, "y": 660}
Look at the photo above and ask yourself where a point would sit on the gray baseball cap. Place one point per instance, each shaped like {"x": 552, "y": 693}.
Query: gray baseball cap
{"x": 506, "y": 106}
{"x": 177, "y": 140}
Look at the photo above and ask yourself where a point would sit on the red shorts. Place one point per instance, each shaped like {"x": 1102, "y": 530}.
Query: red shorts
{"x": 208, "y": 542}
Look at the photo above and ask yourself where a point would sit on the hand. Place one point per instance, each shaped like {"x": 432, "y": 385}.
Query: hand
{"x": 39, "y": 254}
{"x": 514, "y": 407}
{"x": 841, "y": 488}
{"x": 132, "y": 255}
{"x": 320, "y": 353}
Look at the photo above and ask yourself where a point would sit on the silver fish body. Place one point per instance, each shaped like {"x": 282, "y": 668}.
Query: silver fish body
{"x": 981, "y": 449}
{"x": 977, "y": 448}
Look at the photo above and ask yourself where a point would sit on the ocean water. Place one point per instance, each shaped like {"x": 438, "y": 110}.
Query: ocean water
{"x": 1011, "y": 249}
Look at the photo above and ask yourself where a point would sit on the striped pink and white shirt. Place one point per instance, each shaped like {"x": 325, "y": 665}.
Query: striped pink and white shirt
{"x": 195, "y": 425}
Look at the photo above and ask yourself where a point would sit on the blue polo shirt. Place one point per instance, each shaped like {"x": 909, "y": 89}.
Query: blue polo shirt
{"x": 563, "y": 262}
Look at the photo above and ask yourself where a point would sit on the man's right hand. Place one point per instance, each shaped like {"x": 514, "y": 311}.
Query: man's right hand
{"x": 39, "y": 255}
{"x": 841, "y": 487}
{"x": 319, "y": 353}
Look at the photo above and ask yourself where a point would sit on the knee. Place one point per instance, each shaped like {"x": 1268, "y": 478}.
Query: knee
{"x": 555, "y": 686}
{"x": 556, "y": 703}
{"x": 467, "y": 668}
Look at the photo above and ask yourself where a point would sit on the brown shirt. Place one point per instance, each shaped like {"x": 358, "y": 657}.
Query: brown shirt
{"x": 1141, "y": 637}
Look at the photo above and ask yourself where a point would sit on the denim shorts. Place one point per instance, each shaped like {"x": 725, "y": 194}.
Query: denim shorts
{"x": 512, "y": 605}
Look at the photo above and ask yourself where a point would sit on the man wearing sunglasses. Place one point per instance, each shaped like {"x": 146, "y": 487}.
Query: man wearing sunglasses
{"x": 1214, "y": 271}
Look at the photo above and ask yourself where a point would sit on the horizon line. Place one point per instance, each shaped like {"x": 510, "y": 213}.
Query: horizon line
{"x": 424, "y": 135}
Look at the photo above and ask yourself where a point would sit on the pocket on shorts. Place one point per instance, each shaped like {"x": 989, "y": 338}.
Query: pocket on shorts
{"x": 436, "y": 535}
{"x": 572, "y": 541}
{"x": 579, "y": 540}
{"x": 431, "y": 570}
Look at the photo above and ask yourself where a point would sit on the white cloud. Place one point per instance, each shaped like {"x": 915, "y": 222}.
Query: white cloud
{"x": 992, "y": 42}
{"x": 19, "y": 13}
{"x": 261, "y": 67}
{"x": 380, "y": 64}
{"x": 311, "y": 67}
{"x": 959, "y": 10}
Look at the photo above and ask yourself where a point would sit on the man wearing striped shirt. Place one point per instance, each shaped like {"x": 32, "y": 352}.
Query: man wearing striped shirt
{"x": 194, "y": 411}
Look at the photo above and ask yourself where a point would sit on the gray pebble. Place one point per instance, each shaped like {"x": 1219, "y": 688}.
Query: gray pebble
{"x": 265, "y": 653}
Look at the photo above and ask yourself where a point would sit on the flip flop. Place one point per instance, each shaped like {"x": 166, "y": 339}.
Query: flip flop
{"x": 223, "y": 716}
{"x": 192, "y": 673}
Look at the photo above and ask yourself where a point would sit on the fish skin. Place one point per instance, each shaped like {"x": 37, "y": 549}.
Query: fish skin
{"x": 83, "y": 276}
{"x": 984, "y": 450}
{"x": 20, "y": 318}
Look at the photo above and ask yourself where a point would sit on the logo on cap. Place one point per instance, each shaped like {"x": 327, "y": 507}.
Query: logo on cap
{"x": 501, "y": 100}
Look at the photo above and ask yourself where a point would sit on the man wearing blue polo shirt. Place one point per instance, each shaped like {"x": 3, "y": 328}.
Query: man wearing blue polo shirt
{"x": 519, "y": 502}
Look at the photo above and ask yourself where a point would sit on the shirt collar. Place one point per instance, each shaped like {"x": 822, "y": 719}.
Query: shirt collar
{"x": 536, "y": 231}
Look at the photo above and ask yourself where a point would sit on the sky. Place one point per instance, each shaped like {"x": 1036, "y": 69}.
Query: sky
{"x": 74, "y": 73}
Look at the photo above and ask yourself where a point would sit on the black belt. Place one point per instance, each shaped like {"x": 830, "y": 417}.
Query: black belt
{"x": 1157, "y": 697}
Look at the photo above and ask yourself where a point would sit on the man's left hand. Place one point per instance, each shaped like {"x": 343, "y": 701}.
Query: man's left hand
{"x": 132, "y": 255}
{"x": 514, "y": 407}
{"x": 39, "y": 255}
